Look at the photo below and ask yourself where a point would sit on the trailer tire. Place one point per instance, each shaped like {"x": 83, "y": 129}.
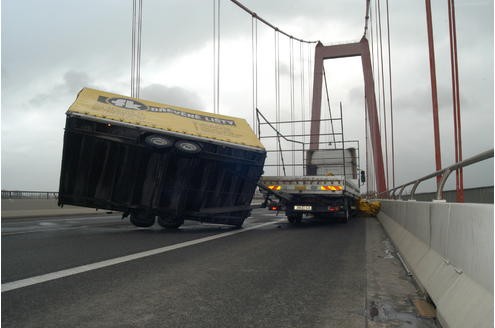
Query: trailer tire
{"x": 347, "y": 212}
{"x": 159, "y": 142}
{"x": 142, "y": 219}
{"x": 188, "y": 147}
{"x": 294, "y": 218}
{"x": 170, "y": 222}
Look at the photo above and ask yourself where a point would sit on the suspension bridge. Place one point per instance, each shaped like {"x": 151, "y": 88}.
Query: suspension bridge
{"x": 426, "y": 260}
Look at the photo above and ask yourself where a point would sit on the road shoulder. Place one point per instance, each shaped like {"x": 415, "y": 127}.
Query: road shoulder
{"x": 390, "y": 291}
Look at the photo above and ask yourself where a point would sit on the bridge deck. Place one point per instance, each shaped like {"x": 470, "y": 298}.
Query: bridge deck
{"x": 275, "y": 275}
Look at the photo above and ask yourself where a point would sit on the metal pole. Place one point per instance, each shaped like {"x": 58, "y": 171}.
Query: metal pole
{"x": 434, "y": 97}
{"x": 343, "y": 145}
{"x": 456, "y": 101}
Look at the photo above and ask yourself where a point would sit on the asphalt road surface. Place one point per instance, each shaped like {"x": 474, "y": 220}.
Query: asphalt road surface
{"x": 104, "y": 272}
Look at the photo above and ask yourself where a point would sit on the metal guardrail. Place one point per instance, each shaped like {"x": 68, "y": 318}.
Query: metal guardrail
{"x": 444, "y": 173}
{"x": 22, "y": 194}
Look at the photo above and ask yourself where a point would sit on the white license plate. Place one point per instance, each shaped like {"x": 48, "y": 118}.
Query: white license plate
{"x": 302, "y": 208}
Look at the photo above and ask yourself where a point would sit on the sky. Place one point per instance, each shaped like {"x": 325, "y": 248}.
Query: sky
{"x": 52, "y": 49}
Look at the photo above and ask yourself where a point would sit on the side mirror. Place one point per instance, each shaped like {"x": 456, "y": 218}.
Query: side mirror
{"x": 363, "y": 177}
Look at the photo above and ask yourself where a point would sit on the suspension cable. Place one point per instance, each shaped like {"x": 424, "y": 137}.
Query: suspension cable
{"x": 133, "y": 48}
{"x": 390, "y": 94}
{"x": 372, "y": 41}
{"x": 216, "y": 56}
{"x": 137, "y": 18}
{"x": 254, "y": 54}
{"x": 377, "y": 71}
{"x": 310, "y": 95}
{"x": 366, "y": 146}
{"x": 277, "y": 89}
{"x": 456, "y": 100}
{"x": 366, "y": 18}
{"x": 292, "y": 100}
{"x": 385, "y": 131}
{"x": 140, "y": 28}
{"x": 376, "y": 76}
{"x": 329, "y": 108}
{"x": 303, "y": 76}
{"x": 252, "y": 13}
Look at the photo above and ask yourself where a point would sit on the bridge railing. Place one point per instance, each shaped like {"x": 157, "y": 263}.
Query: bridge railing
{"x": 444, "y": 173}
{"x": 23, "y": 194}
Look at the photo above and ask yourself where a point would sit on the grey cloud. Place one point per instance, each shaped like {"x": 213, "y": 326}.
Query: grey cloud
{"x": 72, "y": 82}
{"x": 171, "y": 96}
{"x": 419, "y": 99}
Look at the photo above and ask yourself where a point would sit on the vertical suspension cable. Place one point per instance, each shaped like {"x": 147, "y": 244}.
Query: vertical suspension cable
{"x": 375, "y": 70}
{"x": 291, "y": 86}
{"x": 216, "y": 56}
{"x": 277, "y": 92}
{"x": 385, "y": 131}
{"x": 301, "y": 64}
{"x": 329, "y": 108}
{"x": 137, "y": 17}
{"x": 343, "y": 139}
{"x": 366, "y": 145}
{"x": 390, "y": 94}
{"x": 140, "y": 28}
{"x": 380, "y": 117}
{"x": 372, "y": 40}
{"x": 456, "y": 100}
{"x": 434, "y": 96}
{"x": 310, "y": 84}
{"x": 133, "y": 47}
{"x": 254, "y": 57}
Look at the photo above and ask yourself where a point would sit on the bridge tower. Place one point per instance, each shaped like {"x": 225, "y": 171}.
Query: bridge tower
{"x": 341, "y": 51}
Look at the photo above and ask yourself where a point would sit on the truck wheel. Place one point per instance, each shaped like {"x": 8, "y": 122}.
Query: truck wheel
{"x": 170, "y": 222}
{"x": 159, "y": 142}
{"x": 294, "y": 218}
{"x": 142, "y": 219}
{"x": 188, "y": 147}
{"x": 347, "y": 217}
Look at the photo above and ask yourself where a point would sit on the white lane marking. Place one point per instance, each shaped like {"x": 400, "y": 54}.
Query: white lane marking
{"x": 26, "y": 221}
{"x": 41, "y": 230}
{"x": 98, "y": 265}
{"x": 59, "y": 228}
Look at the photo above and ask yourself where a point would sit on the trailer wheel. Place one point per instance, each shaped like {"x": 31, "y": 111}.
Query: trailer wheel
{"x": 142, "y": 219}
{"x": 294, "y": 218}
{"x": 157, "y": 141}
{"x": 170, "y": 222}
{"x": 347, "y": 212}
{"x": 188, "y": 147}
{"x": 347, "y": 215}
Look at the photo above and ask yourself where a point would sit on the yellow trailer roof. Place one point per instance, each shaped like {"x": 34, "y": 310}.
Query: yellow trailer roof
{"x": 104, "y": 105}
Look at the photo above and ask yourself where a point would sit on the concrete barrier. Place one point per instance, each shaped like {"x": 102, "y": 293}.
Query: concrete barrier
{"x": 449, "y": 249}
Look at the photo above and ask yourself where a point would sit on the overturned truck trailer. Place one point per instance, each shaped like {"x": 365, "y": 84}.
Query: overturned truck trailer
{"x": 153, "y": 160}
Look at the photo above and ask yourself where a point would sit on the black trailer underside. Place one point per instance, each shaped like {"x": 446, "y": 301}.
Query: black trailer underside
{"x": 116, "y": 167}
